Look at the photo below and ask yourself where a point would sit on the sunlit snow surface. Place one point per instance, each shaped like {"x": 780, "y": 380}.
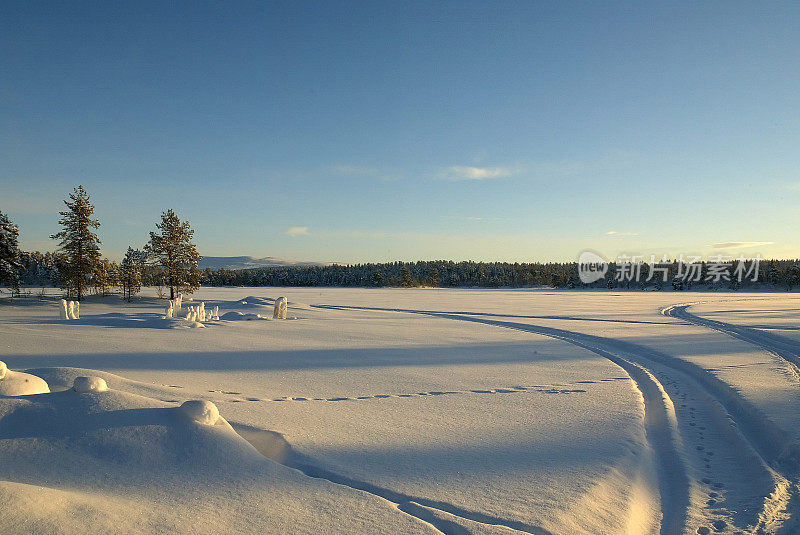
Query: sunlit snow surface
{"x": 402, "y": 411}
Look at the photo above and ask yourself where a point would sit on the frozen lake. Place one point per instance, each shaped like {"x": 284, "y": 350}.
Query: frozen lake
{"x": 404, "y": 411}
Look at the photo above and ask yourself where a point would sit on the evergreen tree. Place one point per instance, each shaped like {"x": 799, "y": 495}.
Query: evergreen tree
{"x": 80, "y": 245}
{"x": 378, "y": 279}
{"x": 174, "y": 251}
{"x": 9, "y": 252}
{"x": 434, "y": 279}
{"x": 131, "y": 272}
{"x": 406, "y": 280}
{"x": 105, "y": 277}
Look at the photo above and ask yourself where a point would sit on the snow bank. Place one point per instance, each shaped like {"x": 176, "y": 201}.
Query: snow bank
{"x": 20, "y": 384}
{"x": 201, "y": 411}
{"x": 85, "y": 384}
{"x": 127, "y": 463}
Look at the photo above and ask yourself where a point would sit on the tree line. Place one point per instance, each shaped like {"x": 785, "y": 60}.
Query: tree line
{"x": 168, "y": 259}
{"x": 772, "y": 274}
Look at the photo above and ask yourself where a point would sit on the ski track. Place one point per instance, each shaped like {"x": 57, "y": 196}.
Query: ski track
{"x": 787, "y": 495}
{"x": 662, "y": 434}
{"x": 750, "y": 427}
{"x": 777, "y": 345}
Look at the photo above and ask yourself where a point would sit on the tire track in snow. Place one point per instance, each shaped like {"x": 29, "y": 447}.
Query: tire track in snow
{"x": 780, "y": 346}
{"x": 660, "y": 419}
{"x": 771, "y": 445}
{"x": 784, "y": 500}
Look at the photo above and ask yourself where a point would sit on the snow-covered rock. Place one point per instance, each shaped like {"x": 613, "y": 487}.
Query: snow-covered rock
{"x": 85, "y": 384}
{"x": 202, "y": 411}
{"x": 20, "y": 384}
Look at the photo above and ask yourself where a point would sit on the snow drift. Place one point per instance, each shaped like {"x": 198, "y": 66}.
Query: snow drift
{"x": 20, "y": 384}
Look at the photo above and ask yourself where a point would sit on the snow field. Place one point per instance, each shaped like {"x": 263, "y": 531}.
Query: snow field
{"x": 470, "y": 411}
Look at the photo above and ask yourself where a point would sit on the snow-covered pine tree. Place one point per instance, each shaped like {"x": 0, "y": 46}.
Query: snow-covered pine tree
{"x": 9, "y": 252}
{"x": 174, "y": 251}
{"x": 131, "y": 272}
{"x": 79, "y": 243}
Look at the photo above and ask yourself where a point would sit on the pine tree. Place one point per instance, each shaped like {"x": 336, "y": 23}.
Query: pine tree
{"x": 174, "y": 251}
{"x": 105, "y": 277}
{"x": 131, "y": 272}
{"x": 9, "y": 252}
{"x": 80, "y": 245}
{"x": 406, "y": 280}
{"x": 434, "y": 279}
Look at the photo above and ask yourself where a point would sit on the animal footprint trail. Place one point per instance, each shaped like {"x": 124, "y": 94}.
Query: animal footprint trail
{"x": 518, "y": 389}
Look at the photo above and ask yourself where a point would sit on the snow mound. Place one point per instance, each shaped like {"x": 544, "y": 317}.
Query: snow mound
{"x": 181, "y": 323}
{"x": 84, "y": 384}
{"x": 201, "y": 411}
{"x": 19, "y": 383}
{"x": 238, "y": 316}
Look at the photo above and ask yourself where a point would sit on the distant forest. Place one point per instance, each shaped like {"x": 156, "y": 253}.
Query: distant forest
{"x": 169, "y": 260}
{"x": 41, "y": 269}
{"x": 772, "y": 274}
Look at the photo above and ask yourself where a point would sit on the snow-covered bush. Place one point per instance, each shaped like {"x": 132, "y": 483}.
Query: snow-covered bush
{"x": 70, "y": 310}
{"x": 280, "y": 309}
{"x": 199, "y": 314}
{"x": 201, "y": 411}
{"x": 89, "y": 384}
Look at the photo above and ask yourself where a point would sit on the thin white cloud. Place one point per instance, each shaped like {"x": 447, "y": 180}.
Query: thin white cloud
{"x": 464, "y": 172}
{"x": 297, "y": 231}
{"x": 621, "y": 234}
{"x": 371, "y": 172}
{"x": 475, "y": 219}
{"x": 738, "y": 244}
{"x": 792, "y": 186}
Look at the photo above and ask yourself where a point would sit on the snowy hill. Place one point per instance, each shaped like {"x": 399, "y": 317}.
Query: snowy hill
{"x": 250, "y": 262}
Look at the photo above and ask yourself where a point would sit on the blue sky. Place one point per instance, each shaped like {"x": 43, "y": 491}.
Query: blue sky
{"x": 390, "y": 130}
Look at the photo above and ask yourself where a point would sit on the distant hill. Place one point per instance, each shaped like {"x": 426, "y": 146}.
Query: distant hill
{"x": 250, "y": 262}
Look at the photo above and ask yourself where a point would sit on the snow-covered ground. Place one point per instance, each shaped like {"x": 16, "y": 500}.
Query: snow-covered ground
{"x": 404, "y": 411}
